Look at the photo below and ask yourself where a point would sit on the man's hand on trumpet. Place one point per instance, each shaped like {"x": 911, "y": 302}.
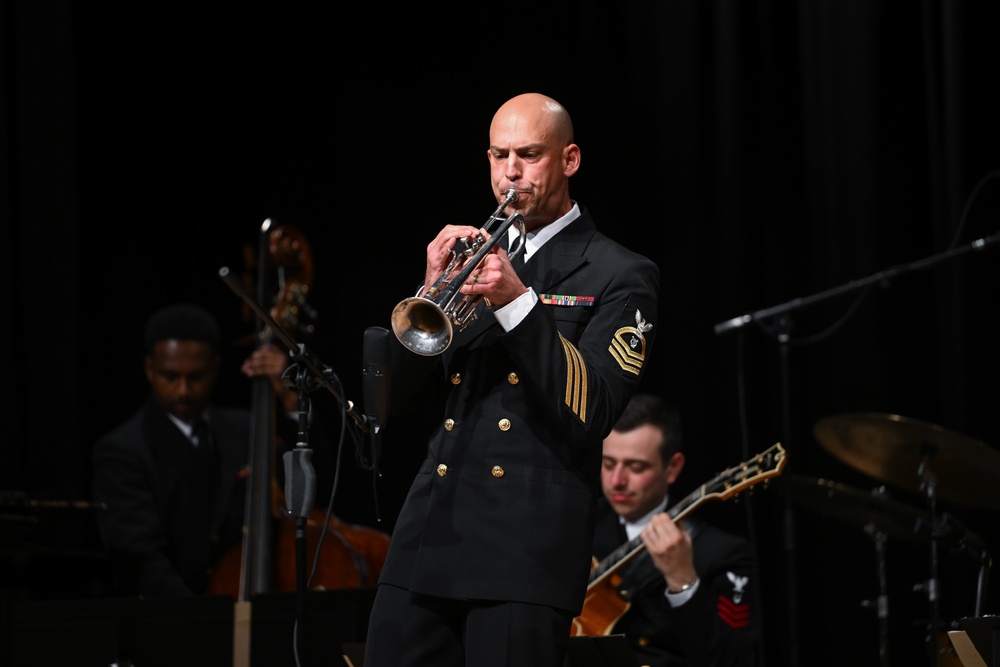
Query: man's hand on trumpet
{"x": 440, "y": 252}
{"x": 494, "y": 277}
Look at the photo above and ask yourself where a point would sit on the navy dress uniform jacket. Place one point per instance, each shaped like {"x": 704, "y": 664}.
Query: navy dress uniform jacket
{"x": 503, "y": 507}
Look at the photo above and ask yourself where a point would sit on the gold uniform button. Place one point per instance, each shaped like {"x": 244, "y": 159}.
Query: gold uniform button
{"x": 456, "y": 378}
{"x": 642, "y": 641}
{"x": 504, "y": 424}
{"x": 512, "y": 378}
{"x": 497, "y": 472}
{"x": 449, "y": 424}
{"x": 442, "y": 470}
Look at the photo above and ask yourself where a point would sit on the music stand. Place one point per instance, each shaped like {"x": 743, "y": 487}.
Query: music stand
{"x": 336, "y": 618}
{"x": 354, "y": 654}
{"x": 985, "y": 635}
{"x": 603, "y": 651}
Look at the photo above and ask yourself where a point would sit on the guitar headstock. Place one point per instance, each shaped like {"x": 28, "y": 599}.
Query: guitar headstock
{"x": 760, "y": 468}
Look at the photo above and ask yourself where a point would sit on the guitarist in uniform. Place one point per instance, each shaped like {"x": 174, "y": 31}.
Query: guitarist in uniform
{"x": 692, "y": 593}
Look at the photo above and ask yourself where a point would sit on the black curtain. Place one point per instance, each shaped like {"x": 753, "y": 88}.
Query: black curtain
{"x": 761, "y": 152}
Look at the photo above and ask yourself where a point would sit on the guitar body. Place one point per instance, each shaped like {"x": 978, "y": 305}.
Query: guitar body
{"x": 603, "y": 606}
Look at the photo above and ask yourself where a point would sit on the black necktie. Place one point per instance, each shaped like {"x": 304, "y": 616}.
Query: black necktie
{"x": 622, "y": 533}
{"x": 516, "y": 261}
{"x": 203, "y": 439}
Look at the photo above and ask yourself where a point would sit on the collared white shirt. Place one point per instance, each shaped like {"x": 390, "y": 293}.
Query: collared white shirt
{"x": 536, "y": 239}
{"x": 633, "y": 528}
{"x": 188, "y": 429}
{"x": 510, "y": 316}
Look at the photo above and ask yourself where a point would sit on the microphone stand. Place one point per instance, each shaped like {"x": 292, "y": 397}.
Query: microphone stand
{"x": 853, "y": 286}
{"x": 783, "y": 329}
{"x": 300, "y": 476}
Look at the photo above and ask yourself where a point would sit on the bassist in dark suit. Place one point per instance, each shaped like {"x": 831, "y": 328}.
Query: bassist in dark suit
{"x": 173, "y": 476}
{"x": 692, "y": 596}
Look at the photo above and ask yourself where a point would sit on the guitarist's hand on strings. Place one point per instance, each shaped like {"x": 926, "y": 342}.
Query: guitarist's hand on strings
{"x": 669, "y": 545}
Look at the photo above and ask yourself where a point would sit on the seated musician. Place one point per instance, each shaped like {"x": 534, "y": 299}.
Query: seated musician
{"x": 173, "y": 476}
{"x": 693, "y": 591}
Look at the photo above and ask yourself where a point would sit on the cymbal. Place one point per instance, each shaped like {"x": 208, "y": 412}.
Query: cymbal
{"x": 872, "y": 511}
{"x": 907, "y": 452}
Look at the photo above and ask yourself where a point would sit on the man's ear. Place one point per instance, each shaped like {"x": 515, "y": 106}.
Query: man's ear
{"x": 674, "y": 466}
{"x": 571, "y": 160}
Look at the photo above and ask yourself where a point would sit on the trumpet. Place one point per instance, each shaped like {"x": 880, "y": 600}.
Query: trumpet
{"x": 425, "y": 324}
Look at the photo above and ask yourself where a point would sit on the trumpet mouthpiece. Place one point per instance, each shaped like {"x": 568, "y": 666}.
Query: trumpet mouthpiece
{"x": 511, "y": 195}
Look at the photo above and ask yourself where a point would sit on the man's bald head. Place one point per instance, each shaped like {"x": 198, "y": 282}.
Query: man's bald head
{"x": 540, "y": 110}
{"x": 532, "y": 151}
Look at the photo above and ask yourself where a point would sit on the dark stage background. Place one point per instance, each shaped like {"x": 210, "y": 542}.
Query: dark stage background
{"x": 760, "y": 152}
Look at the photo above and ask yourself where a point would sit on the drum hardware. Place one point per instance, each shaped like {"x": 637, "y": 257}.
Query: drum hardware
{"x": 880, "y": 516}
{"x": 926, "y": 459}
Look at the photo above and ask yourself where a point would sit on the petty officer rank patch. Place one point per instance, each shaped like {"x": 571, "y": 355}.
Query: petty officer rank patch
{"x": 732, "y": 613}
{"x": 566, "y": 300}
{"x": 628, "y": 345}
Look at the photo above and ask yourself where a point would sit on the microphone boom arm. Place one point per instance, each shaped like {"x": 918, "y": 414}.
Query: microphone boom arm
{"x": 321, "y": 373}
{"x": 742, "y": 320}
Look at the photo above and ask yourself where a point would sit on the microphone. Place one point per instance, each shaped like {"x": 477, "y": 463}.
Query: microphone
{"x": 375, "y": 374}
{"x": 375, "y": 392}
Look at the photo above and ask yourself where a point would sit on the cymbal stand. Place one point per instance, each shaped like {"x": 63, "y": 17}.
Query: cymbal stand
{"x": 882, "y": 602}
{"x": 966, "y": 541}
{"x": 929, "y": 486}
{"x": 984, "y": 569}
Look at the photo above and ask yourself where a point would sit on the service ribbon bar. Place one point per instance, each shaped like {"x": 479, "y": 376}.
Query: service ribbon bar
{"x": 566, "y": 300}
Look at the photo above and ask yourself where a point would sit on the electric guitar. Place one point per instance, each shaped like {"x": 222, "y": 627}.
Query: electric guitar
{"x": 603, "y": 605}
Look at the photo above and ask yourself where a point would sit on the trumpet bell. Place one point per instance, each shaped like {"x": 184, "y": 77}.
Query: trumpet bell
{"x": 421, "y": 326}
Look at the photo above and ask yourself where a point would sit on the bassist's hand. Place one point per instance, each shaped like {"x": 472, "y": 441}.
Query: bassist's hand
{"x": 269, "y": 361}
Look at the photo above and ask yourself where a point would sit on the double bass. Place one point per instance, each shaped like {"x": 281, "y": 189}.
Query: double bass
{"x": 340, "y": 554}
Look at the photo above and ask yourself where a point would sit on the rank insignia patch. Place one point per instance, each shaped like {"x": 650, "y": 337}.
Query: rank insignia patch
{"x": 732, "y": 614}
{"x": 628, "y": 346}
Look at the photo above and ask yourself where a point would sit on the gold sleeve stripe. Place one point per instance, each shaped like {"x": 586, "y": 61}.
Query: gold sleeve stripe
{"x": 576, "y": 380}
{"x": 626, "y": 358}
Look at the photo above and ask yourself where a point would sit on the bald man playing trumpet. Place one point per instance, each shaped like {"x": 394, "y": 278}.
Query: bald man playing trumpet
{"x": 490, "y": 555}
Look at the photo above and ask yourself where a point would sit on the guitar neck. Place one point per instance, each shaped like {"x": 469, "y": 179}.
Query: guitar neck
{"x": 626, "y": 552}
{"x": 762, "y": 467}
